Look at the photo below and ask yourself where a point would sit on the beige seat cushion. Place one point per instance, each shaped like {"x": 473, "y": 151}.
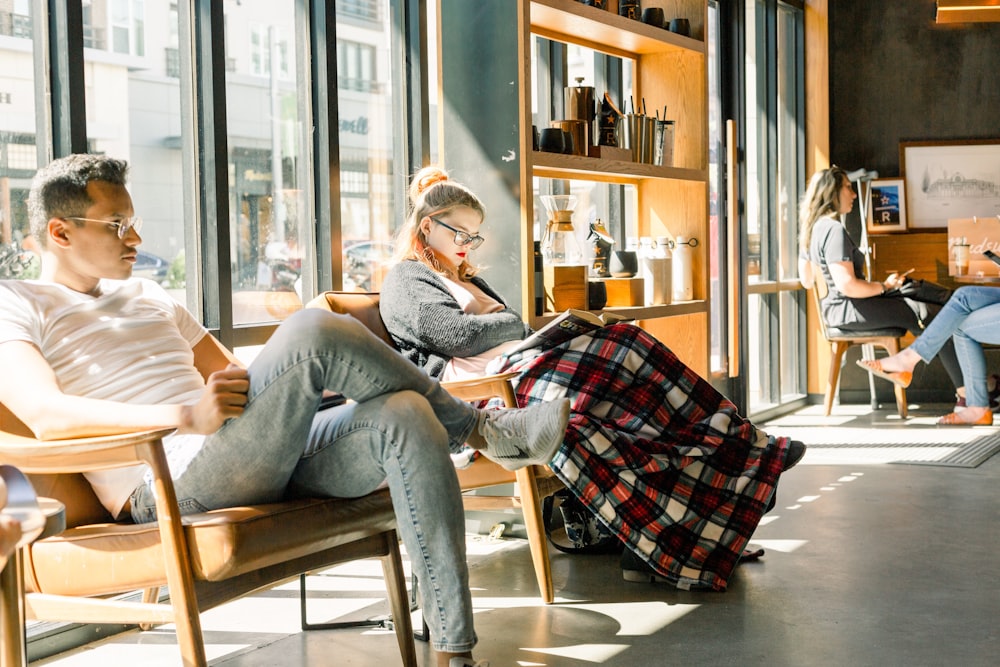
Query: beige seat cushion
{"x": 224, "y": 543}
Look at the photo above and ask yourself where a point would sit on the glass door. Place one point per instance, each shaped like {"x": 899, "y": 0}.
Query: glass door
{"x": 757, "y": 175}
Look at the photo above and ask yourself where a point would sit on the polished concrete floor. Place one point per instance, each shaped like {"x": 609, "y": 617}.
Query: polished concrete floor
{"x": 868, "y": 562}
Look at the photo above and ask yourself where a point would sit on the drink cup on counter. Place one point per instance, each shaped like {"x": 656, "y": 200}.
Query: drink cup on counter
{"x": 961, "y": 251}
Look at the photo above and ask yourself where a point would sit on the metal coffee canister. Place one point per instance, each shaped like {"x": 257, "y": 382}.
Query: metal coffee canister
{"x": 580, "y": 104}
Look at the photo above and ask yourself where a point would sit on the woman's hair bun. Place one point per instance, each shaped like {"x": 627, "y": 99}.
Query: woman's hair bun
{"x": 425, "y": 179}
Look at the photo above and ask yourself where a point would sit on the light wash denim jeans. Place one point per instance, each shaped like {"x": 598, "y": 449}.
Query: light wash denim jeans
{"x": 399, "y": 428}
{"x": 971, "y": 317}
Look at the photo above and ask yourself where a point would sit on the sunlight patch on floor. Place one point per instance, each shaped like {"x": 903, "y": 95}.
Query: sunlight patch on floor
{"x": 640, "y": 618}
{"x": 590, "y": 653}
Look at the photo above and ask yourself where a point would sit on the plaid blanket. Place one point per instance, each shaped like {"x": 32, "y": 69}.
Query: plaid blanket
{"x": 659, "y": 455}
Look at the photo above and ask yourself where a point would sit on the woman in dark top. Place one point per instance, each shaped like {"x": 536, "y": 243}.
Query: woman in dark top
{"x": 655, "y": 452}
{"x": 854, "y": 303}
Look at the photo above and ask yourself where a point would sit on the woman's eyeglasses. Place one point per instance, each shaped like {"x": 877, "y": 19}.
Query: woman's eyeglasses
{"x": 120, "y": 227}
{"x": 463, "y": 238}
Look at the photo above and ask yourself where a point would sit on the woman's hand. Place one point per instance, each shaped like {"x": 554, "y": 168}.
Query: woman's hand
{"x": 896, "y": 279}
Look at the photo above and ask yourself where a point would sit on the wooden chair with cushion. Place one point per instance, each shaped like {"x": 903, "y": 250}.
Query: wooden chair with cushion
{"x": 204, "y": 559}
{"x": 533, "y": 482}
{"x": 841, "y": 340}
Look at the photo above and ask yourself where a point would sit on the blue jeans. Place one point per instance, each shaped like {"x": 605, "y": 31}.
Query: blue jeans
{"x": 971, "y": 317}
{"x": 399, "y": 428}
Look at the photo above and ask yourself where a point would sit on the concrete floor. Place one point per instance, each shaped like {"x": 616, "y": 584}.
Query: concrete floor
{"x": 868, "y": 562}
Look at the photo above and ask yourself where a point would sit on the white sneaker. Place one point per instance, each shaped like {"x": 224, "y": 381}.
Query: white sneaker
{"x": 526, "y": 436}
{"x": 467, "y": 662}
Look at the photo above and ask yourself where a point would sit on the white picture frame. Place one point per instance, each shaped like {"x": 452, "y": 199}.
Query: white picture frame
{"x": 950, "y": 179}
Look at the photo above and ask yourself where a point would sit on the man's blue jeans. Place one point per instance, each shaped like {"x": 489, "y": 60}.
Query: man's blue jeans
{"x": 399, "y": 428}
{"x": 971, "y": 316}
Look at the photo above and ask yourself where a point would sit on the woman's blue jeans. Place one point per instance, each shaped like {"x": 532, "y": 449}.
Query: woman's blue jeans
{"x": 399, "y": 428}
{"x": 971, "y": 317}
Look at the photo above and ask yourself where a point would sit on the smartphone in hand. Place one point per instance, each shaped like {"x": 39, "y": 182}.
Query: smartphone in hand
{"x": 992, "y": 256}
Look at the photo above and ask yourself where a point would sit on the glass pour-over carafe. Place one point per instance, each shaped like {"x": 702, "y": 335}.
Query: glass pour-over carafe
{"x": 560, "y": 244}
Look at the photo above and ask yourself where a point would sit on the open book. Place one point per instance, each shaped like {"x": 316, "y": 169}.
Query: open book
{"x": 566, "y": 325}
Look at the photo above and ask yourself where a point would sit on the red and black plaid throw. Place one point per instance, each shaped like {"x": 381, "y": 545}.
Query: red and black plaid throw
{"x": 655, "y": 451}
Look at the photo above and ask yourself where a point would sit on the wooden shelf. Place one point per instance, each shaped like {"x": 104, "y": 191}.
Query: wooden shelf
{"x": 599, "y": 29}
{"x": 558, "y": 165}
{"x": 639, "y": 312}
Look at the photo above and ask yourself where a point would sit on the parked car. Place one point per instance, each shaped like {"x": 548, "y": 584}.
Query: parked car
{"x": 148, "y": 265}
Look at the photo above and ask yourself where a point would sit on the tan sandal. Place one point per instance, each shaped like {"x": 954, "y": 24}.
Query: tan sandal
{"x": 955, "y": 419}
{"x": 874, "y": 366}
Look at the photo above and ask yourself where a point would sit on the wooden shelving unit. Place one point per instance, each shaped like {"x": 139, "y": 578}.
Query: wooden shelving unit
{"x": 671, "y": 71}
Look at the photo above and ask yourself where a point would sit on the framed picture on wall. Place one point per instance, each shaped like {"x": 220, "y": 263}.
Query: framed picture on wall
{"x": 887, "y": 208}
{"x": 950, "y": 179}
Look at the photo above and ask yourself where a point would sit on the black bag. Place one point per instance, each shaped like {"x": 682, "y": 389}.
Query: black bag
{"x": 585, "y": 532}
{"x": 923, "y": 291}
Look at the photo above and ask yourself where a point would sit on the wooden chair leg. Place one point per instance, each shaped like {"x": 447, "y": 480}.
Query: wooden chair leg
{"x": 13, "y": 652}
{"x": 180, "y": 579}
{"x": 833, "y": 377}
{"x": 399, "y": 603}
{"x": 531, "y": 507}
{"x": 892, "y": 347}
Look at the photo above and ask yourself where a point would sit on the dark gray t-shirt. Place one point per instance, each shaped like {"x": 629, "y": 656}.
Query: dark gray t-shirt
{"x": 830, "y": 243}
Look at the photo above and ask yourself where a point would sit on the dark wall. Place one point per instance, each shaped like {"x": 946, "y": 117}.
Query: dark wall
{"x": 897, "y": 76}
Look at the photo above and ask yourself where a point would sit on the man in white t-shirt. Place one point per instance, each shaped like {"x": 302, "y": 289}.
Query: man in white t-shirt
{"x": 90, "y": 350}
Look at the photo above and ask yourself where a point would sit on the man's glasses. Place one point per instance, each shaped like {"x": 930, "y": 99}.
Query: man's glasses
{"x": 121, "y": 227}
{"x": 463, "y": 238}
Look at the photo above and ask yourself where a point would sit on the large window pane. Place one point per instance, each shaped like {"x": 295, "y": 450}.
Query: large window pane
{"x": 133, "y": 113}
{"x": 271, "y": 231}
{"x": 373, "y": 203}
{"x": 18, "y": 139}
{"x": 790, "y": 131}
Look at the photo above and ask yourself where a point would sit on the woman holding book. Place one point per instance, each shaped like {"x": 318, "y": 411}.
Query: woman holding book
{"x": 656, "y": 453}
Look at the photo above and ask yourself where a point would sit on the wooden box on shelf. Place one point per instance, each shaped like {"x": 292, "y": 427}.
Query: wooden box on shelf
{"x": 565, "y": 286}
{"x": 611, "y": 153}
{"x": 624, "y": 291}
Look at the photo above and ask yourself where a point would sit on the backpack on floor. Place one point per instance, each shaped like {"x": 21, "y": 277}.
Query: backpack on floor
{"x": 585, "y": 533}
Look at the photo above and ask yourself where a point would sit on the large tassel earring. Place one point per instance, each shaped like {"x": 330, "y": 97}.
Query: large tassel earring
{"x": 431, "y": 259}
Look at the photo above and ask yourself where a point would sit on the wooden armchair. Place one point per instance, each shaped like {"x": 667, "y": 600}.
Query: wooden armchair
{"x": 204, "y": 559}
{"x": 533, "y": 482}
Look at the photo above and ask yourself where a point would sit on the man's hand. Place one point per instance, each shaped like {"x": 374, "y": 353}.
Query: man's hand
{"x": 224, "y": 398}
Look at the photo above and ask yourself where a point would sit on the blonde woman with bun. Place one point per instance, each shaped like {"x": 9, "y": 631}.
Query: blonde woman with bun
{"x": 658, "y": 455}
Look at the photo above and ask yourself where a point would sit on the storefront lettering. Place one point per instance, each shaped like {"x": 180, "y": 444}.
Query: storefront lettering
{"x": 357, "y": 126}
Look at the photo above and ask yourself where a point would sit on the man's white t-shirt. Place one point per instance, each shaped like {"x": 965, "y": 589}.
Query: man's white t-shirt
{"x": 132, "y": 343}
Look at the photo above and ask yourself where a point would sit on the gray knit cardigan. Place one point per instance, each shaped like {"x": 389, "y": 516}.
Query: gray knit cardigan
{"x": 430, "y": 328}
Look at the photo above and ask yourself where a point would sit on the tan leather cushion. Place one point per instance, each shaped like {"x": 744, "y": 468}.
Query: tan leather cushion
{"x": 99, "y": 558}
{"x": 75, "y": 492}
{"x": 362, "y": 306}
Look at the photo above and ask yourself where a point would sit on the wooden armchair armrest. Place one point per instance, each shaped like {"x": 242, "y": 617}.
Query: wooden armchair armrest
{"x": 486, "y": 386}
{"x": 79, "y": 454}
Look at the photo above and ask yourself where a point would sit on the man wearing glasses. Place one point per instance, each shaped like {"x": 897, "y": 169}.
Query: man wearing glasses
{"x": 95, "y": 351}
